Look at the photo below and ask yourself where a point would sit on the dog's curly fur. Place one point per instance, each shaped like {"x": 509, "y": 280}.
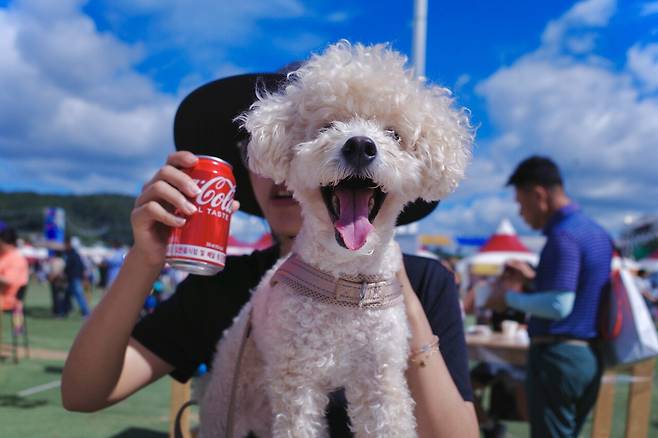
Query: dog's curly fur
{"x": 304, "y": 348}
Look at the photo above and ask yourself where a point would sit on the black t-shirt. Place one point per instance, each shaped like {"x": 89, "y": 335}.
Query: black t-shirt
{"x": 75, "y": 268}
{"x": 184, "y": 330}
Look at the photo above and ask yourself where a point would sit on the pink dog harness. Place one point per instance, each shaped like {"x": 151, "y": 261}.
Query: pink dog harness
{"x": 367, "y": 292}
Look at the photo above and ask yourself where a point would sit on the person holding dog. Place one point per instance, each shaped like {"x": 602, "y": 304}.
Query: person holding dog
{"x": 573, "y": 269}
{"x": 183, "y": 331}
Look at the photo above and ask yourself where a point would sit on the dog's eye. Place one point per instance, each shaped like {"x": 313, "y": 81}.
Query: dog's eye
{"x": 393, "y": 133}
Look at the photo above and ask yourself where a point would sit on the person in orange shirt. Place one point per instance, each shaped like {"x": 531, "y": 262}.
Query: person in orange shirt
{"x": 13, "y": 268}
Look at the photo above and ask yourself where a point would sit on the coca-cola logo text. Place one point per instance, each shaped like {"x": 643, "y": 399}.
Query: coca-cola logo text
{"x": 216, "y": 193}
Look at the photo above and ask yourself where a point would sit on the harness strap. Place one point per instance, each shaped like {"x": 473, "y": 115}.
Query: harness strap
{"x": 178, "y": 433}
{"x": 236, "y": 376}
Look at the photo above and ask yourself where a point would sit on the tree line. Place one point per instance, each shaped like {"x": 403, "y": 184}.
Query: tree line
{"x": 93, "y": 218}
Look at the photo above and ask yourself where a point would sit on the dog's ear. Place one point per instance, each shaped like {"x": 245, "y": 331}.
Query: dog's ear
{"x": 269, "y": 123}
{"x": 444, "y": 147}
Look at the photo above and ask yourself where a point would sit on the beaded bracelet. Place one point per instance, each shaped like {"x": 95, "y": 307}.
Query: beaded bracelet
{"x": 421, "y": 355}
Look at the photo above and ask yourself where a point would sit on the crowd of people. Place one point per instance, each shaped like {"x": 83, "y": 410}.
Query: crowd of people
{"x": 73, "y": 278}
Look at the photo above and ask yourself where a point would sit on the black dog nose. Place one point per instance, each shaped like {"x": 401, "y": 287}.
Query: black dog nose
{"x": 359, "y": 151}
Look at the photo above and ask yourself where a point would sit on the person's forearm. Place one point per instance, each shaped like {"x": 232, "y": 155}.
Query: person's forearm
{"x": 549, "y": 305}
{"x": 440, "y": 409}
{"x": 95, "y": 361}
{"x": 469, "y": 301}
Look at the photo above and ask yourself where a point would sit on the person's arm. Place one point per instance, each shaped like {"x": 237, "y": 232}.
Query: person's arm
{"x": 556, "y": 293}
{"x": 440, "y": 409}
{"x": 469, "y": 300}
{"x": 105, "y": 364}
{"x": 553, "y": 305}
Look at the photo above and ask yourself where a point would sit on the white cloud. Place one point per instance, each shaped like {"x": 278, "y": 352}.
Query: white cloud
{"x": 649, "y": 8}
{"x": 461, "y": 82}
{"x": 591, "y": 13}
{"x": 643, "y": 63}
{"x": 212, "y": 38}
{"x": 565, "y": 31}
{"x": 206, "y": 22}
{"x": 593, "y": 119}
{"x": 339, "y": 17}
{"x": 299, "y": 44}
{"x": 590, "y": 119}
{"x": 477, "y": 217}
{"x": 582, "y": 43}
{"x": 50, "y": 9}
{"x": 72, "y": 99}
{"x": 586, "y": 116}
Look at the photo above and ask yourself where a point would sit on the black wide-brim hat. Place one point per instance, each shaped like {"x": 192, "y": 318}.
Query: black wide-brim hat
{"x": 204, "y": 125}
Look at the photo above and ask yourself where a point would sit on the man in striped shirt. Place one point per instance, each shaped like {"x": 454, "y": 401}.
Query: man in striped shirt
{"x": 564, "y": 367}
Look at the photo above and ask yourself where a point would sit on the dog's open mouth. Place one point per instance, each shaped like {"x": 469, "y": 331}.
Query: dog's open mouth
{"x": 353, "y": 204}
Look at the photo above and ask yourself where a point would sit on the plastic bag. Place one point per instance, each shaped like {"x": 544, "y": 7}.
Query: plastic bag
{"x": 628, "y": 334}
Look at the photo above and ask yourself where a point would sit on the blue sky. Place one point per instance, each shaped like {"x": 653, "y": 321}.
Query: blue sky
{"x": 88, "y": 89}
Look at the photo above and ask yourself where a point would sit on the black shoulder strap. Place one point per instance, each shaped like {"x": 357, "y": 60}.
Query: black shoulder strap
{"x": 178, "y": 433}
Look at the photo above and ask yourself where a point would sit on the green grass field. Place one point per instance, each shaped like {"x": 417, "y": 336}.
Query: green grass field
{"x": 41, "y": 414}
{"x": 143, "y": 415}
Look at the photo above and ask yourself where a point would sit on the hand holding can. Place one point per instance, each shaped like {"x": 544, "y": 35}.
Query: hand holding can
{"x": 200, "y": 246}
{"x": 162, "y": 205}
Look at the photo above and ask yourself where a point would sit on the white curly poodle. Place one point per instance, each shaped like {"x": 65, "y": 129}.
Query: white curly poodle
{"x": 356, "y": 137}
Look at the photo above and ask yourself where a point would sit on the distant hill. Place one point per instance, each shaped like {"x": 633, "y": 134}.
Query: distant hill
{"x": 103, "y": 217}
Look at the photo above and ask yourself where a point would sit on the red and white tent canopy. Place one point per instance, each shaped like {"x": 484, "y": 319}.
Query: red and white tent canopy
{"x": 504, "y": 240}
{"x": 503, "y": 245}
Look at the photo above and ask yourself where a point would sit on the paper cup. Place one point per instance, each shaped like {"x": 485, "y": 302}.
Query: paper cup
{"x": 509, "y": 328}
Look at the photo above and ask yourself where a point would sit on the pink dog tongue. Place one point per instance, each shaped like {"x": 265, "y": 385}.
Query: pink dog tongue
{"x": 353, "y": 224}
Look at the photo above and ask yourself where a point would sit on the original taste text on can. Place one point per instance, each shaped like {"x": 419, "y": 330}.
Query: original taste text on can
{"x": 199, "y": 246}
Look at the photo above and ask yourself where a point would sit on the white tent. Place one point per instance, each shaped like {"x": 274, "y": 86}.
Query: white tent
{"x": 500, "y": 257}
{"x": 650, "y": 263}
{"x": 619, "y": 262}
{"x": 33, "y": 253}
{"x": 502, "y": 246}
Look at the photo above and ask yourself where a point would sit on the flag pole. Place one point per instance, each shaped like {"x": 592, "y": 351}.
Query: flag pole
{"x": 419, "y": 37}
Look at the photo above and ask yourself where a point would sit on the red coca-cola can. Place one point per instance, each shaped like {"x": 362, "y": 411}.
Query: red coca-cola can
{"x": 200, "y": 246}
